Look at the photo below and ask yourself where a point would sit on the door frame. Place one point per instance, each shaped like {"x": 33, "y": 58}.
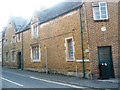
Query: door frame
{"x": 109, "y": 63}
{"x": 19, "y": 57}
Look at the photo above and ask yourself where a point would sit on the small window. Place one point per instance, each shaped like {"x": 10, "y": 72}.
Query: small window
{"x": 18, "y": 37}
{"x": 69, "y": 49}
{"x": 13, "y": 40}
{"x": 13, "y": 56}
{"x": 100, "y": 11}
{"x": 35, "y": 53}
{"x": 5, "y": 42}
{"x": 7, "y": 56}
{"x": 35, "y": 30}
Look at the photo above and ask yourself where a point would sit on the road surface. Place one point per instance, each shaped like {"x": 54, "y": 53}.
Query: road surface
{"x": 14, "y": 79}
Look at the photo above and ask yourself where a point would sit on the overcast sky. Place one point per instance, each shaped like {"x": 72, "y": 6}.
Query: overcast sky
{"x": 24, "y": 8}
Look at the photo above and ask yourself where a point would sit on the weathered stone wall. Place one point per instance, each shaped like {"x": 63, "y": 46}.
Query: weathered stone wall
{"x": 8, "y": 46}
{"x": 52, "y": 35}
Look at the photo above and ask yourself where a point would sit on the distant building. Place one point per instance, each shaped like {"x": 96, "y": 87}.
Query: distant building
{"x": 0, "y": 48}
{"x": 12, "y": 42}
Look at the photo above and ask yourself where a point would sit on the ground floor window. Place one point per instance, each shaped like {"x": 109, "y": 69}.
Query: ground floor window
{"x": 7, "y": 56}
{"x": 69, "y": 44}
{"x": 35, "y": 53}
{"x": 13, "y": 56}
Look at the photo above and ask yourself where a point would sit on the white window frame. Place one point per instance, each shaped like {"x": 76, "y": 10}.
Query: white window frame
{"x": 32, "y": 32}
{"x": 12, "y": 55}
{"x": 66, "y": 50}
{"x": 35, "y": 60}
{"x": 100, "y": 11}
{"x": 12, "y": 40}
{"x": 18, "y": 37}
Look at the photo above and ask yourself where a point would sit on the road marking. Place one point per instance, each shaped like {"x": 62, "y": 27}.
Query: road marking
{"x": 12, "y": 82}
{"x": 54, "y": 82}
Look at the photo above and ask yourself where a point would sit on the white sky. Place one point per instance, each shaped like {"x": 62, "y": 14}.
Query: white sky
{"x": 24, "y": 8}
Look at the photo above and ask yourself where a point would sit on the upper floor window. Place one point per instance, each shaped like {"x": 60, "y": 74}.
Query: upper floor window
{"x": 35, "y": 53}
{"x": 19, "y": 37}
{"x": 13, "y": 39}
{"x": 69, "y": 44}
{"x": 5, "y": 42}
{"x": 35, "y": 30}
{"x": 100, "y": 11}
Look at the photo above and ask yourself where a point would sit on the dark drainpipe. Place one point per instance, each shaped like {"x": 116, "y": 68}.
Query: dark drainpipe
{"x": 22, "y": 61}
{"x": 81, "y": 38}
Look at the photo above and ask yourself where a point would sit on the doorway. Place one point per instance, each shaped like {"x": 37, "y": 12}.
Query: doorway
{"x": 105, "y": 62}
{"x": 19, "y": 55}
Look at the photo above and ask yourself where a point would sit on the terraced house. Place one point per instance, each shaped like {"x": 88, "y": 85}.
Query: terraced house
{"x": 71, "y": 38}
{"x": 12, "y": 42}
{"x": 53, "y": 42}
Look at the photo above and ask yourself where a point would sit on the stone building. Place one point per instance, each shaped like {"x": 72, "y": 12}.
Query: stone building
{"x": 71, "y": 38}
{"x": 58, "y": 33}
{"x": 12, "y": 42}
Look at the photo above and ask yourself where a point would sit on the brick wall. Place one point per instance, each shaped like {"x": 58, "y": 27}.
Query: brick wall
{"x": 100, "y": 38}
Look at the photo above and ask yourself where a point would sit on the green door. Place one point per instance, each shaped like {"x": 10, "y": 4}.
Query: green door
{"x": 105, "y": 62}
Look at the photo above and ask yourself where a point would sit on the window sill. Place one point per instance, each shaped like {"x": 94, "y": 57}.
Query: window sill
{"x": 100, "y": 20}
{"x": 70, "y": 60}
{"x": 35, "y": 60}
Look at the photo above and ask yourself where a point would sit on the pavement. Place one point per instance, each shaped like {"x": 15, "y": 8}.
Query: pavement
{"x": 102, "y": 84}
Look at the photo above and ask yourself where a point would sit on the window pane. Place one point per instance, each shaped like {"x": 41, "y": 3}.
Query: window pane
{"x": 35, "y": 30}
{"x": 103, "y": 12}
{"x": 70, "y": 48}
{"x": 96, "y": 13}
{"x": 102, "y": 4}
{"x": 97, "y": 17}
{"x": 102, "y": 8}
{"x": 35, "y": 52}
{"x": 103, "y": 16}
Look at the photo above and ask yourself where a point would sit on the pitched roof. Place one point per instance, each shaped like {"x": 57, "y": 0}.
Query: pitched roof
{"x": 26, "y": 26}
{"x": 57, "y": 10}
{"x": 46, "y": 15}
{"x": 19, "y": 23}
